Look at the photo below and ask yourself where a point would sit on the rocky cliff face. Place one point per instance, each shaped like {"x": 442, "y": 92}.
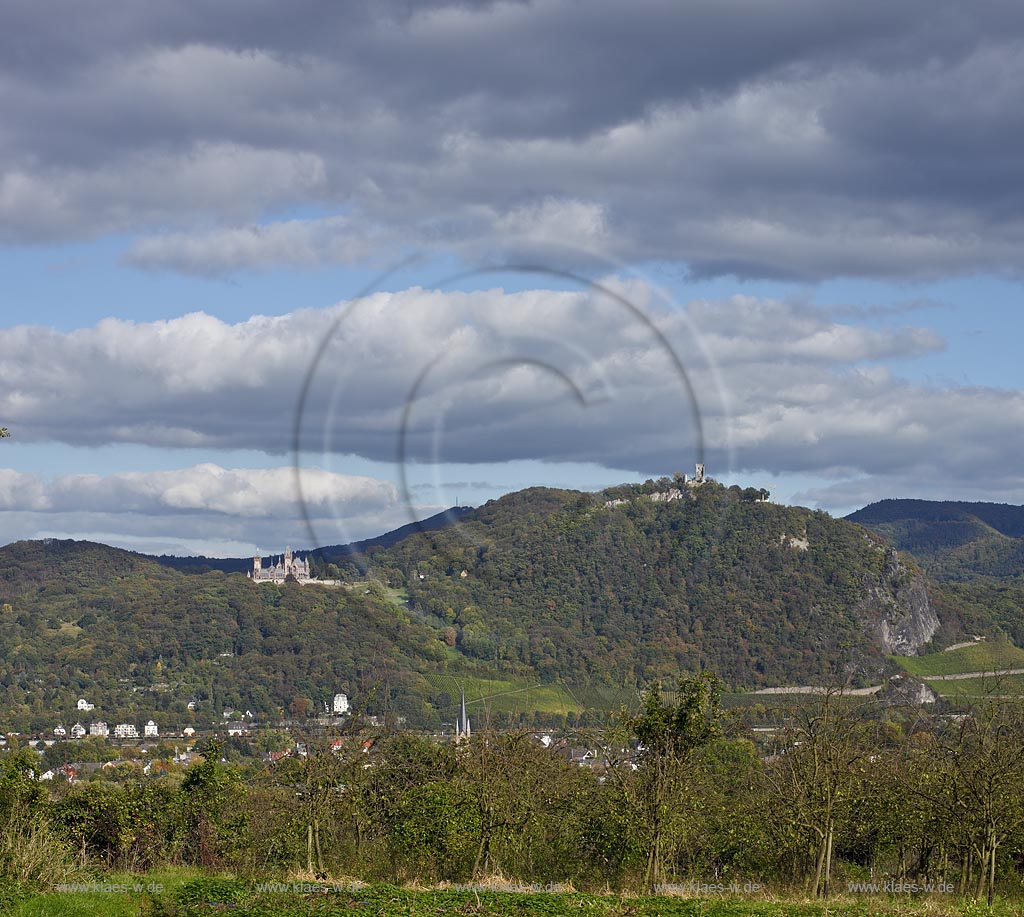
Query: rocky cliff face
{"x": 897, "y": 609}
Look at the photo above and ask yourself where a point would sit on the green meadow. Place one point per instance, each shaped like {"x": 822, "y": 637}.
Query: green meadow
{"x": 186, "y": 893}
{"x": 980, "y": 657}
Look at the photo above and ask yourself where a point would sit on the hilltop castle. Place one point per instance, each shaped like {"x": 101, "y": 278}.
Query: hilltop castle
{"x": 287, "y": 565}
{"x": 683, "y": 485}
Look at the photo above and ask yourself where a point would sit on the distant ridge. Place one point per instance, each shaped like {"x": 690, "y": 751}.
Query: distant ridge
{"x": 1005, "y": 518}
{"x": 953, "y": 540}
{"x": 327, "y": 554}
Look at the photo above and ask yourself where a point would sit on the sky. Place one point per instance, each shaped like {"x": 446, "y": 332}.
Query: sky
{"x": 301, "y": 273}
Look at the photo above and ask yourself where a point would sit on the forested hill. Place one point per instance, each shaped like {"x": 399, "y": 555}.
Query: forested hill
{"x": 320, "y": 558}
{"x": 563, "y": 584}
{"x": 594, "y": 591}
{"x": 954, "y": 541}
{"x": 139, "y": 639}
{"x": 1005, "y": 518}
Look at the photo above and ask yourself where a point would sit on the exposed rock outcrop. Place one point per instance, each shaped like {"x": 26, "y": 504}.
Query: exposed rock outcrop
{"x": 797, "y": 543}
{"x": 897, "y": 609}
{"x": 906, "y": 691}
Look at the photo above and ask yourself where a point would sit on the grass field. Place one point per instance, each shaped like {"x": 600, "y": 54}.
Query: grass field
{"x": 980, "y": 658}
{"x": 188, "y": 894}
{"x": 486, "y": 696}
{"x": 983, "y": 686}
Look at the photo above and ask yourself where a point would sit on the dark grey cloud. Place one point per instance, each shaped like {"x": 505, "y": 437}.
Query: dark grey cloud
{"x": 791, "y": 139}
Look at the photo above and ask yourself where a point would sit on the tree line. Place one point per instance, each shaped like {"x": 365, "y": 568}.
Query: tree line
{"x": 844, "y": 790}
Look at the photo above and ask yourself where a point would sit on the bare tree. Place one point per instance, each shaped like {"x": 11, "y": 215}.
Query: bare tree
{"x": 983, "y": 779}
{"x": 815, "y": 776}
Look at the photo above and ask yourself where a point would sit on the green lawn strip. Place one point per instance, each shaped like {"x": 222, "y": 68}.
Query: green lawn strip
{"x": 185, "y": 894}
{"x": 390, "y": 901}
{"x": 982, "y": 686}
{"x": 981, "y": 657}
{"x": 78, "y": 904}
{"x": 114, "y": 894}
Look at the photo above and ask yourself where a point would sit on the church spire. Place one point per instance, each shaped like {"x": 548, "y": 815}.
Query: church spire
{"x": 462, "y": 727}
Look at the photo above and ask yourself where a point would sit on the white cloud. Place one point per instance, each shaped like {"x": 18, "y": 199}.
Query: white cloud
{"x": 21, "y": 491}
{"x": 204, "y": 508}
{"x": 292, "y": 243}
{"x": 556, "y": 221}
{"x": 491, "y": 376}
{"x": 208, "y": 488}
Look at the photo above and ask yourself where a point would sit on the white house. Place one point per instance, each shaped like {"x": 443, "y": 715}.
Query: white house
{"x": 83, "y": 704}
{"x": 188, "y": 731}
{"x": 77, "y": 731}
{"x": 150, "y": 729}
{"x": 99, "y": 729}
{"x": 59, "y": 731}
{"x": 126, "y": 731}
{"x": 341, "y": 703}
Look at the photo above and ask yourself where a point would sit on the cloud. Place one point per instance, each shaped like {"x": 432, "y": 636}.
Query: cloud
{"x": 21, "y": 491}
{"x": 291, "y": 243}
{"x": 202, "y": 508}
{"x": 153, "y": 188}
{"x": 554, "y": 220}
{"x": 429, "y": 377}
{"x": 846, "y": 494}
{"x": 862, "y": 139}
